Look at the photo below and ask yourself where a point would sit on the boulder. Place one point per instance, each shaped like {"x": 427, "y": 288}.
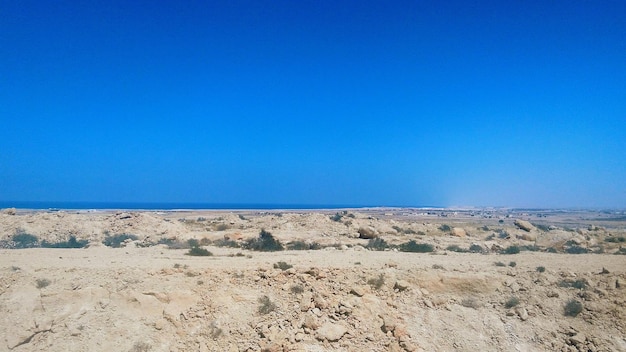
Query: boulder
{"x": 459, "y": 232}
{"x": 367, "y": 233}
{"x": 524, "y": 225}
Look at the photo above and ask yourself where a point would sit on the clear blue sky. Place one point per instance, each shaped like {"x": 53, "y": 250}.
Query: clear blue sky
{"x": 503, "y": 103}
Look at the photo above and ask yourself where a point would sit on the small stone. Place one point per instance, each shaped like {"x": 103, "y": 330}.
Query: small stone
{"x": 578, "y": 339}
{"x": 331, "y": 332}
{"x": 522, "y": 313}
{"x": 401, "y": 285}
{"x": 358, "y": 291}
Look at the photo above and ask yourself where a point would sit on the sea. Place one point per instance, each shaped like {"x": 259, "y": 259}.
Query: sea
{"x": 42, "y": 205}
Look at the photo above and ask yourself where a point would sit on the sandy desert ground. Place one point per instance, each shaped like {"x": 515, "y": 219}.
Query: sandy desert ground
{"x": 343, "y": 295}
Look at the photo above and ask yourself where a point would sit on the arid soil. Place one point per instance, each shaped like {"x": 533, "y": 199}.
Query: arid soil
{"x": 344, "y": 295}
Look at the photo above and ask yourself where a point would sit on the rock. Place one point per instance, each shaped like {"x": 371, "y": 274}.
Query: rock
{"x": 367, "y": 233}
{"x": 320, "y": 302}
{"x": 577, "y": 339}
{"x": 553, "y": 294}
{"x": 389, "y": 324}
{"x": 428, "y": 303}
{"x": 401, "y": 285}
{"x": 9, "y": 211}
{"x": 305, "y": 302}
{"x": 530, "y": 236}
{"x": 459, "y": 232}
{"x": 358, "y": 291}
{"x": 331, "y": 332}
{"x": 524, "y": 225}
{"x": 522, "y": 313}
{"x": 311, "y": 322}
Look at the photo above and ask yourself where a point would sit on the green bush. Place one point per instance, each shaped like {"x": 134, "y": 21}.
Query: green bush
{"x": 511, "y": 250}
{"x": 115, "y": 241}
{"x": 456, "y": 248}
{"x": 578, "y": 284}
{"x": 72, "y": 242}
{"x": 541, "y": 269}
{"x": 199, "y": 252}
{"x": 499, "y": 264}
{"x": 303, "y": 246}
{"x": 377, "y": 244}
{"x": 511, "y": 302}
{"x": 576, "y": 250}
{"x": 337, "y": 217}
{"x": 620, "y": 239}
{"x": 573, "y": 308}
{"x": 282, "y": 266}
{"x": 266, "y": 305}
{"x": 475, "y": 248}
{"x": 264, "y": 243}
{"x": 377, "y": 282}
{"x": 25, "y": 240}
{"x": 415, "y": 247}
{"x": 512, "y": 264}
{"x": 445, "y": 228}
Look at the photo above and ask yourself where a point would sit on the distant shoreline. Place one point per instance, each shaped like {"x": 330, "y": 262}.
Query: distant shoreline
{"x": 170, "y": 206}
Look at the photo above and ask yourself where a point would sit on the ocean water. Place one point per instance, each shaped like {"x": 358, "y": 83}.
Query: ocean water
{"x": 167, "y": 206}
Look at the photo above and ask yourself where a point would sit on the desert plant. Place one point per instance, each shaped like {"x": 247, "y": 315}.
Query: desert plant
{"x": 471, "y": 303}
{"x": 512, "y": 264}
{"x": 377, "y": 282}
{"x": 72, "y": 242}
{"x": 41, "y": 283}
{"x": 503, "y": 234}
{"x": 456, "y": 248}
{"x": 266, "y": 305}
{"x": 222, "y": 227}
{"x": 282, "y": 266}
{"x": 573, "y": 308}
{"x": 541, "y": 269}
{"x": 141, "y": 347}
{"x": 612, "y": 239}
{"x": 241, "y": 217}
{"x": 476, "y": 248}
{"x": 511, "y": 302}
{"x": 437, "y": 266}
{"x": 337, "y": 217}
{"x": 415, "y": 247}
{"x": 295, "y": 289}
{"x": 580, "y": 284}
{"x": 511, "y": 250}
{"x": 445, "y": 228}
{"x": 198, "y": 252}
{"x": 499, "y": 264}
{"x": 576, "y": 250}
{"x": 115, "y": 241}
{"x": 303, "y": 246}
{"x": 377, "y": 244}
{"x": 222, "y": 242}
{"x": 24, "y": 240}
{"x": 264, "y": 243}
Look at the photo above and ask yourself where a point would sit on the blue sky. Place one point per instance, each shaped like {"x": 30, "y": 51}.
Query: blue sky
{"x": 485, "y": 103}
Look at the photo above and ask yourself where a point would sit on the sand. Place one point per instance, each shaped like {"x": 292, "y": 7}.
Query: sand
{"x": 343, "y": 297}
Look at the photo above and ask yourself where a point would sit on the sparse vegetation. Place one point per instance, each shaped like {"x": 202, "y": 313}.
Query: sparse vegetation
{"x": 511, "y": 302}
{"x": 456, "y": 248}
{"x": 303, "y": 246}
{"x": 377, "y": 244}
{"x": 296, "y": 289}
{"x": 198, "y": 252}
{"x": 573, "y": 308}
{"x": 612, "y": 239}
{"x": 222, "y": 242}
{"x": 72, "y": 242}
{"x": 541, "y": 269}
{"x": 512, "y": 250}
{"x": 437, "y": 267}
{"x": 575, "y": 249}
{"x": 337, "y": 217}
{"x": 266, "y": 305}
{"x": 115, "y": 241}
{"x": 512, "y": 264}
{"x": 141, "y": 347}
{"x": 578, "y": 284}
{"x": 445, "y": 228}
{"x": 241, "y": 217}
{"x": 499, "y": 264}
{"x": 377, "y": 282}
{"x": 222, "y": 227}
{"x": 282, "y": 266}
{"x": 415, "y": 247}
{"x": 476, "y": 248}
{"x": 25, "y": 240}
{"x": 41, "y": 283}
{"x": 264, "y": 243}
{"x": 471, "y": 303}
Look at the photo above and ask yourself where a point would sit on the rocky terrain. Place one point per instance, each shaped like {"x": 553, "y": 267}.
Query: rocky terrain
{"x": 481, "y": 280}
